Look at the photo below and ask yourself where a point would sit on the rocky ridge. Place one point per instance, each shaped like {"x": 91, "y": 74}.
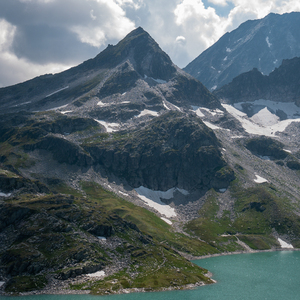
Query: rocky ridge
{"x": 261, "y": 44}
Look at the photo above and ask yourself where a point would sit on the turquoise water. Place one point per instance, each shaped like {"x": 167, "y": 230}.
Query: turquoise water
{"x": 259, "y": 276}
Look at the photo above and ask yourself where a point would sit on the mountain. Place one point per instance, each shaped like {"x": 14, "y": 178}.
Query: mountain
{"x": 261, "y": 44}
{"x": 132, "y": 76}
{"x": 281, "y": 85}
{"x": 116, "y": 171}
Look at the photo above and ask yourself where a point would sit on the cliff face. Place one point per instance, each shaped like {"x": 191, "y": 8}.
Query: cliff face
{"x": 171, "y": 151}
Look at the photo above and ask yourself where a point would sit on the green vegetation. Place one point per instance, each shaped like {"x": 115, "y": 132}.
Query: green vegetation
{"x": 257, "y": 210}
{"x": 25, "y": 284}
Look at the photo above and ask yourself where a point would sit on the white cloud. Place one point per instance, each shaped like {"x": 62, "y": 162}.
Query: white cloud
{"x": 108, "y": 20}
{"x": 219, "y": 2}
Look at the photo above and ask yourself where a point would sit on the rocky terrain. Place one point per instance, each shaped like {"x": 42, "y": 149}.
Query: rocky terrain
{"x": 280, "y": 85}
{"x": 112, "y": 172}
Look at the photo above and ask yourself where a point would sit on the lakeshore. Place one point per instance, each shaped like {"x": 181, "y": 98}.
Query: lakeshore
{"x": 62, "y": 287}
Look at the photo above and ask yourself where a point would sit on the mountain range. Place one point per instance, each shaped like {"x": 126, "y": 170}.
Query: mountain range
{"x": 260, "y": 44}
{"x": 115, "y": 172}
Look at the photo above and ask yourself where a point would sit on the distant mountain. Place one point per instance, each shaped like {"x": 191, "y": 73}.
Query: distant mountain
{"x": 136, "y": 66}
{"x": 261, "y": 44}
{"x": 281, "y": 85}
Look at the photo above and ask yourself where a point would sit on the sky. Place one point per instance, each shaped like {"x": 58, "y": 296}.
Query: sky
{"x": 48, "y": 36}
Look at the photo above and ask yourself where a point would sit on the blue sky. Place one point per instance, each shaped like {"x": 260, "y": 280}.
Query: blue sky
{"x": 48, "y": 36}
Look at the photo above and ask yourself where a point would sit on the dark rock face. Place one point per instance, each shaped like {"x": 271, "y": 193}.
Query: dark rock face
{"x": 264, "y": 146}
{"x": 171, "y": 151}
{"x": 261, "y": 44}
{"x": 281, "y": 85}
{"x": 62, "y": 150}
{"x": 11, "y": 183}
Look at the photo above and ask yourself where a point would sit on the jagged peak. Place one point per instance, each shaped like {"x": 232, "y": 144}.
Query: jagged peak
{"x": 143, "y": 51}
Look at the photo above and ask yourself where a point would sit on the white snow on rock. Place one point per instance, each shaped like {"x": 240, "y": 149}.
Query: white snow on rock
{"x": 284, "y": 244}
{"x": 5, "y": 195}
{"x": 102, "y": 238}
{"x": 57, "y": 108}
{"x": 165, "y": 106}
{"x": 167, "y": 220}
{"x": 153, "y": 199}
{"x": 100, "y": 103}
{"x": 2, "y": 283}
{"x": 66, "y": 87}
{"x": 252, "y": 127}
{"x": 288, "y": 151}
{"x": 124, "y": 194}
{"x": 148, "y": 112}
{"x": 290, "y": 108}
{"x": 211, "y": 126}
{"x": 265, "y": 118}
{"x": 228, "y": 50}
{"x": 260, "y": 179}
{"x": 66, "y": 112}
{"x": 160, "y": 81}
{"x": 110, "y": 127}
{"x": 96, "y": 274}
{"x": 268, "y": 42}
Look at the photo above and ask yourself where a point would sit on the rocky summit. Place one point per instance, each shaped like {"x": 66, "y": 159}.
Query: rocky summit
{"x": 115, "y": 172}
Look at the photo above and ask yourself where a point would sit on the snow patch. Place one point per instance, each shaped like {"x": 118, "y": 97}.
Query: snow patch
{"x": 265, "y": 118}
{"x": 160, "y": 81}
{"x": 222, "y": 190}
{"x": 124, "y": 194}
{"x": 148, "y": 112}
{"x": 211, "y": 126}
{"x": 100, "y": 103}
{"x": 2, "y": 283}
{"x": 268, "y": 42}
{"x": 66, "y": 87}
{"x": 213, "y": 88}
{"x": 198, "y": 111}
{"x": 125, "y": 102}
{"x": 153, "y": 199}
{"x": 110, "y": 127}
{"x": 124, "y": 94}
{"x": 102, "y": 238}
{"x": 260, "y": 179}
{"x": 289, "y": 108}
{"x": 252, "y": 127}
{"x": 66, "y": 112}
{"x": 288, "y": 151}
{"x": 165, "y": 106}
{"x": 167, "y": 220}
{"x": 5, "y": 195}
{"x": 284, "y": 244}
{"x": 228, "y": 50}
{"x": 96, "y": 274}
{"x": 225, "y": 58}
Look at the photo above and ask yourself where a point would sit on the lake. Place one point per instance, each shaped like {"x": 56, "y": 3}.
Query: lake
{"x": 265, "y": 275}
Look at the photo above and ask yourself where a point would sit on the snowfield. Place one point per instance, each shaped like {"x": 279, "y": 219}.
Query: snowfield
{"x": 110, "y": 127}
{"x": 284, "y": 244}
{"x": 262, "y": 123}
{"x": 153, "y": 199}
{"x": 260, "y": 179}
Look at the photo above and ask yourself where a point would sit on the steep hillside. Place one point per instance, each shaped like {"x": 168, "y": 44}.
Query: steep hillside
{"x": 261, "y": 44}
